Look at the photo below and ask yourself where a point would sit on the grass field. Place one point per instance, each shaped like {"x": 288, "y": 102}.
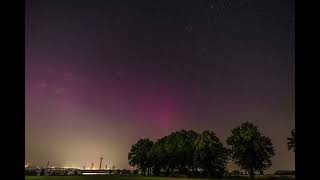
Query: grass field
{"x": 134, "y": 178}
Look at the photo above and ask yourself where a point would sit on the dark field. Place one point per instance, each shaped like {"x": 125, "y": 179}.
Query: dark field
{"x": 137, "y": 178}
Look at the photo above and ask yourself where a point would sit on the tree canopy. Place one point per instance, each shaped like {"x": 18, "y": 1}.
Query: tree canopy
{"x": 139, "y": 155}
{"x": 250, "y": 149}
{"x": 292, "y": 141}
{"x": 192, "y": 154}
{"x": 210, "y": 154}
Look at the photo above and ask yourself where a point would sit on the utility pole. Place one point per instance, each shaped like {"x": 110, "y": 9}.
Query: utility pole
{"x": 100, "y": 162}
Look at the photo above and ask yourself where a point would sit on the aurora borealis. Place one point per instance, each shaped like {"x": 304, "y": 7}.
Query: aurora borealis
{"x": 102, "y": 74}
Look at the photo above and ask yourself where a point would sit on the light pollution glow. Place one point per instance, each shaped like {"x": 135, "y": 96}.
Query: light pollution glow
{"x": 101, "y": 76}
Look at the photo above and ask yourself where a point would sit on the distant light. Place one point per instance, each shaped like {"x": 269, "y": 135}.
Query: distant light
{"x": 94, "y": 173}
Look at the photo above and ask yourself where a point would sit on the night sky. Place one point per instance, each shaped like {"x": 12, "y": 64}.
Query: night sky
{"x": 102, "y": 74}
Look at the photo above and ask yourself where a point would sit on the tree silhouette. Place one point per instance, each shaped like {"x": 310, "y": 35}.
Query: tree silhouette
{"x": 159, "y": 156}
{"x": 190, "y": 150}
{"x": 172, "y": 149}
{"x": 210, "y": 154}
{"x": 250, "y": 150}
{"x": 174, "y": 152}
{"x": 186, "y": 151}
{"x": 139, "y": 155}
{"x": 179, "y": 147}
{"x": 292, "y": 141}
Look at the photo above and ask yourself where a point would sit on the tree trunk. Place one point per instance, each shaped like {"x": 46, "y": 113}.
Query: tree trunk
{"x": 252, "y": 174}
{"x": 196, "y": 168}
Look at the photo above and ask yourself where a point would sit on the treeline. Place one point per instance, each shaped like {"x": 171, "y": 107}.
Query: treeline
{"x": 203, "y": 154}
{"x": 185, "y": 151}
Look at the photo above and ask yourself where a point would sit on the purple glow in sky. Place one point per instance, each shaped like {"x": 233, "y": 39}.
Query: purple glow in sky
{"x": 100, "y": 75}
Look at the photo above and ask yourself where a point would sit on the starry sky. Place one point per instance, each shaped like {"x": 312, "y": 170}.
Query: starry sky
{"x": 102, "y": 74}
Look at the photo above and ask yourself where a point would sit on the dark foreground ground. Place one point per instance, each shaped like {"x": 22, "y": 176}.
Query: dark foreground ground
{"x": 140, "y": 178}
